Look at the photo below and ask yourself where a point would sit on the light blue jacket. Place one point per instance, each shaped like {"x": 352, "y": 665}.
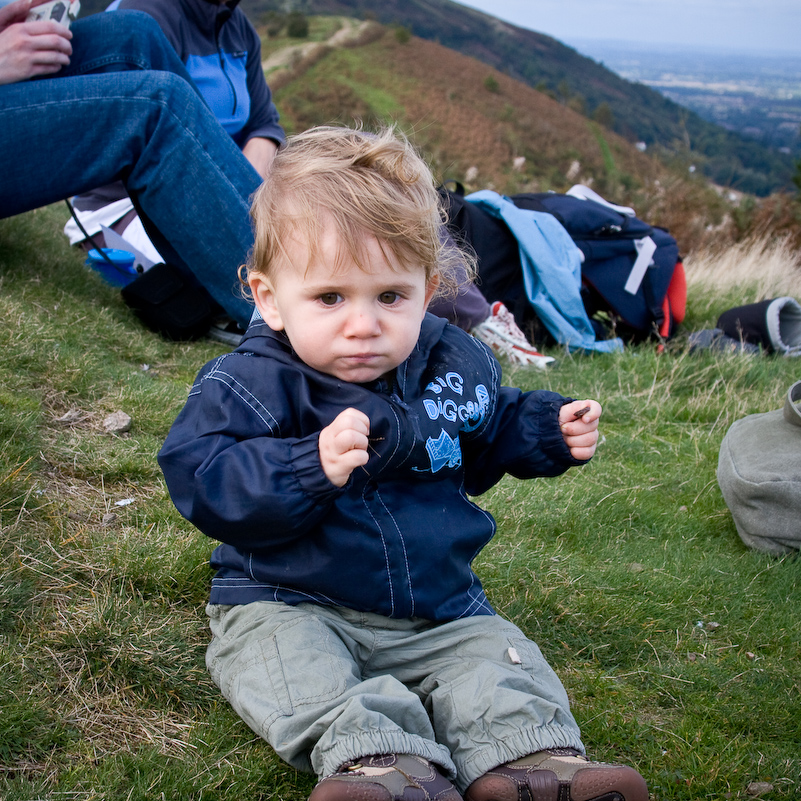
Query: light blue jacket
{"x": 551, "y": 264}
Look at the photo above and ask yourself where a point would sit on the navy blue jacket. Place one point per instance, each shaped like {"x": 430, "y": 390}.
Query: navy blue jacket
{"x": 222, "y": 53}
{"x": 242, "y": 463}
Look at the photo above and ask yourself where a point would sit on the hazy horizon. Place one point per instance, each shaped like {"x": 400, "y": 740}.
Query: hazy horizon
{"x": 576, "y": 42}
{"x": 733, "y": 26}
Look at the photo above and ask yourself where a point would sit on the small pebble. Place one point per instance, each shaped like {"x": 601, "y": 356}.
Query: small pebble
{"x": 117, "y": 423}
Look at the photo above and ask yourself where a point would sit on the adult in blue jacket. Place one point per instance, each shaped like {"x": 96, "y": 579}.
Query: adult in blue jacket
{"x": 111, "y": 100}
{"x": 222, "y": 54}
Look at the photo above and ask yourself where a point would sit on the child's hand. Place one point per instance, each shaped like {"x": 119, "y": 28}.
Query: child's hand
{"x": 580, "y": 433}
{"x": 343, "y": 445}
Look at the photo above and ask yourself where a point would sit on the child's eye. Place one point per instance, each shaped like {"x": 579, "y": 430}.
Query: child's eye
{"x": 388, "y": 298}
{"x": 329, "y": 299}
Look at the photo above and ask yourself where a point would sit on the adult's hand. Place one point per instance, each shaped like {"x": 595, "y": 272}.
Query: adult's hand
{"x": 28, "y": 49}
{"x": 260, "y": 153}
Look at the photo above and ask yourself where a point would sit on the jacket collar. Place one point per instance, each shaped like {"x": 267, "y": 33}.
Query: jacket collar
{"x": 208, "y": 15}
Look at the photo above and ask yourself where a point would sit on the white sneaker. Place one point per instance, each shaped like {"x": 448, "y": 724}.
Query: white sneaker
{"x": 501, "y": 333}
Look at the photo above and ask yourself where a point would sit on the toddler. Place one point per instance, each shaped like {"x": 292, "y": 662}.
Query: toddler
{"x": 333, "y": 455}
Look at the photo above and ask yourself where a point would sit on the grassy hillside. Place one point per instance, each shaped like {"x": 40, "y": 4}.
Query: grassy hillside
{"x": 481, "y": 127}
{"x": 679, "y": 648}
{"x": 467, "y": 115}
{"x": 633, "y": 110}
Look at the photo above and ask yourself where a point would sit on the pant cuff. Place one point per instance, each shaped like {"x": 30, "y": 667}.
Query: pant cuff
{"x": 392, "y": 742}
{"x": 528, "y": 741}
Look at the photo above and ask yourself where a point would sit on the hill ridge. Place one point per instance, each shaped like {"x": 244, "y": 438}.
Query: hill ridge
{"x": 633, "y": 110}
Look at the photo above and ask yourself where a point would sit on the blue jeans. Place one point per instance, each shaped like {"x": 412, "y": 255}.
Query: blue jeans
{"x": 324, "y": 685}
{"x": 125, "y": 108}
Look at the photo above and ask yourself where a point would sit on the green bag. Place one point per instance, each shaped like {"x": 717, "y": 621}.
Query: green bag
{"x": 759, "y": 473}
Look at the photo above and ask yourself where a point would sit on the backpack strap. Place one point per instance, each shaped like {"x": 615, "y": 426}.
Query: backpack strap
{"x": 655, "y": 306}
{"x": 458, "y": 188}
{"x": 645, "y": 247}
{"x": 585, "y": 193}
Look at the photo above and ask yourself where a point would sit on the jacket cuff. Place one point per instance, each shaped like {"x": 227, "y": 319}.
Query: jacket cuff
{"x": 270, "y": 131}
{"x": 304, "y": 456}
{"x": 553, "y": 443}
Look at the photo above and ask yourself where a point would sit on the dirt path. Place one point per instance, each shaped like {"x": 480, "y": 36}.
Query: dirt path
{"x": 352, "y": 33}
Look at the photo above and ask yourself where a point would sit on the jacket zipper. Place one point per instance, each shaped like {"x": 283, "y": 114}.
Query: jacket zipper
{"x": 218, "y": 27}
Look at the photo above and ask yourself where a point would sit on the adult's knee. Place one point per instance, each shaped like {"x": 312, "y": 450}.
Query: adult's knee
{"x": 172, "y": 89}
{"x": 119, "y": 28}
{"x": 122, "y": 40}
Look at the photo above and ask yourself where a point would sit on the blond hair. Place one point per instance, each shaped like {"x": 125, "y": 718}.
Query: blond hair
{"x": 362, "y": 184}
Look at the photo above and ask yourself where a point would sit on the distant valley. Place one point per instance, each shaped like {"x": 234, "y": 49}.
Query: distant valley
{"x": 757, "y": 96}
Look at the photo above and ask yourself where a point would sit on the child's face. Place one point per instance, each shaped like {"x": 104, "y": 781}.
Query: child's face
{"x": 354, "y": 323}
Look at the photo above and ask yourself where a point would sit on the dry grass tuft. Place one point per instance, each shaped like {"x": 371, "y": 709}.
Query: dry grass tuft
{"x": 113, "y": 725}
{"x": 761, "y": 267}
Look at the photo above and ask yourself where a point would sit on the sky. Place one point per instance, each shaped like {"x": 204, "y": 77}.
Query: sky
{"x": 764, "y": 26}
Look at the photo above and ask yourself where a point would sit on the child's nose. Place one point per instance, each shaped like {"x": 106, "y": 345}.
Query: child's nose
{"x": 362, "y": 322}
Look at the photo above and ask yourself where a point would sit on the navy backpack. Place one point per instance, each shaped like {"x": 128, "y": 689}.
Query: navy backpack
{"x": 619, "y": 303}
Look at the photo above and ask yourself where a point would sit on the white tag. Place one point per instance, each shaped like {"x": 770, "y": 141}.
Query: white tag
{"x": 646, "y": 247}
{"x": 514, "y": 657}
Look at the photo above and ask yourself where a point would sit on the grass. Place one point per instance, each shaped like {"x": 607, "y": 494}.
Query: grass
{"x": 680, "y": 648}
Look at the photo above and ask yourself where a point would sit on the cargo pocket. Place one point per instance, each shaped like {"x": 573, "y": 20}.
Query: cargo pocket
{"x": 267, "y": 672}
{"x": 255, "y": 685}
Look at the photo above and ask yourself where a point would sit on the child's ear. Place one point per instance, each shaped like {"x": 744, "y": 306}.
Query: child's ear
{"x": 264, "y": 298}
{"x": 431, "y": 287}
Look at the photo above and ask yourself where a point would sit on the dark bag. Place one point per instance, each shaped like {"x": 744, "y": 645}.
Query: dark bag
{"x": 636, "y": 309}
{"x": 774, "y": 325}
{"x": 167, "y": 302}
